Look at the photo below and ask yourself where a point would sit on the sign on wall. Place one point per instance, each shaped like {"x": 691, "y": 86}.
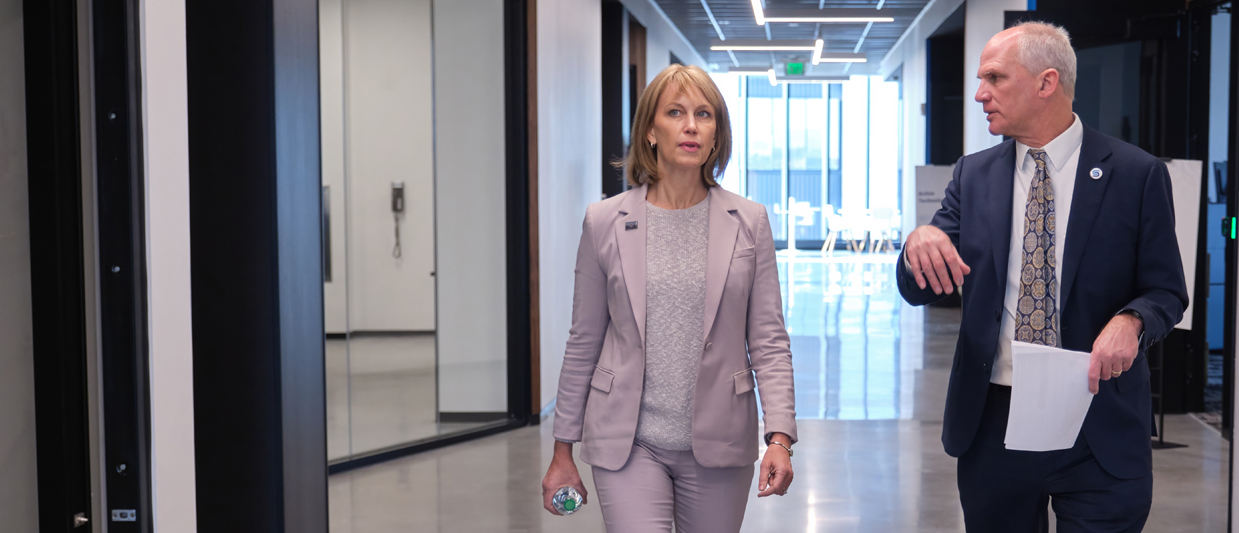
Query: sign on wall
{"x": 931, "y": 182}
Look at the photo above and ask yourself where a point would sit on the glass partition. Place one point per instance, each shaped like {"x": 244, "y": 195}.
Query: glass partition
{"x": 814, "y": 153}
{"x": 413, "y": 220}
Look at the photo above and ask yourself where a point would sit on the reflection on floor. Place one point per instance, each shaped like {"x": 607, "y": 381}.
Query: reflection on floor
{"x": 381, "y": 393}
{"x": 871, "y": 377}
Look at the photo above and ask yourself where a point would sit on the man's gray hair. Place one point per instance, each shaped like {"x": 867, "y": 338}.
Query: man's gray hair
{"x": 1043, "y": 46}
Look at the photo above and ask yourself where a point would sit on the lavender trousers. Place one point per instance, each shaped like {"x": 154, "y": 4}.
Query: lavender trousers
{"x": 657, "y": 487}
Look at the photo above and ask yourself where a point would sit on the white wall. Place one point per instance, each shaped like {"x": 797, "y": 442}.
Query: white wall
{"x": 331, "y": 112}
{"x": 389, "y": 135}
{"x": 982, "y": 19}
{"x": 909, "y": 52}
{"x": 18, "y": 479}
{"x": 661, "y": 38}
{"x": 166, "y": 136}
{"x": 569, "y": 160}
{"x": 470, "y": 175}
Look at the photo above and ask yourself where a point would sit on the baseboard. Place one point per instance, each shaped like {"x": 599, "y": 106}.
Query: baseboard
{"x": 470, "y": 416}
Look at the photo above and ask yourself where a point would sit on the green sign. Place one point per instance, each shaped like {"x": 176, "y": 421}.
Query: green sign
{"x": 795, "y": 69}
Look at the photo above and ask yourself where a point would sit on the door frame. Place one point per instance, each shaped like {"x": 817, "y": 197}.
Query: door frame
{"x": 57, "y": 261}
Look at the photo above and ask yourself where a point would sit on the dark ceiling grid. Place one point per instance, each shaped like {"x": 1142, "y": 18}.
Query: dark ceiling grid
{"x": 735, "y": 18}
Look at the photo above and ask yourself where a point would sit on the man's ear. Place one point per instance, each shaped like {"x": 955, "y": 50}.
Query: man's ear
{"x": 1049, "y": 83}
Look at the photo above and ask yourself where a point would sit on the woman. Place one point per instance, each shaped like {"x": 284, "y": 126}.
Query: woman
{"x": 673, "y": 278}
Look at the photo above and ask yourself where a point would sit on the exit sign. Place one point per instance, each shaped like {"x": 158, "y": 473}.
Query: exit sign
{"x": 795, "y": 69}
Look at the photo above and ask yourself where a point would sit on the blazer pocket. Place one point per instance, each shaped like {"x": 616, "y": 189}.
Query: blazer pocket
{"x": 602, "y": 380}
{"x": 746, "y": 252}
{"x": 744, "y": 381}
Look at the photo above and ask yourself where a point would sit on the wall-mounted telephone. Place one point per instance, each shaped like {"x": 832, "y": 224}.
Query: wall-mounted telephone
{"x": 397, "y": 207}
{"x": 397, "y": 196}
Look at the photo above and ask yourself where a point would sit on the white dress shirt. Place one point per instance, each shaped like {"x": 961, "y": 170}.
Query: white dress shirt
{"x": 1062, "y": 158}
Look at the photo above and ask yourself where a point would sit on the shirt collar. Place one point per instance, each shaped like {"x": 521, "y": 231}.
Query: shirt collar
{"x": 1057, "y": 150}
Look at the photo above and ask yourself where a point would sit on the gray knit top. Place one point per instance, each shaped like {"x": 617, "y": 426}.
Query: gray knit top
{"x": 675, "y": 294}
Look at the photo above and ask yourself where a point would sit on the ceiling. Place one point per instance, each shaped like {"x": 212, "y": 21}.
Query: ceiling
{"x": 735, "y": 18}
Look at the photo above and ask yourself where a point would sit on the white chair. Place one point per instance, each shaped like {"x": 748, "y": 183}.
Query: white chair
{"x": 855, "y": 228}
{"x": 833, "y": 223}
{"x": 880, "y": 229}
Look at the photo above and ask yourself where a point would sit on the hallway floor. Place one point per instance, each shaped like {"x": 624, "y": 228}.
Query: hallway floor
{"x": 871, "y": 376}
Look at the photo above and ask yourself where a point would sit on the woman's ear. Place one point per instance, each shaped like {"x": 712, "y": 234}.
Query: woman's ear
{"x": 649, "y": 136}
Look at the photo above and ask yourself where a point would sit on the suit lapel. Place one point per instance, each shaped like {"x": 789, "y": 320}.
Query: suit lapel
{"x": 1001, "y": 203}
{"x": 1085, "y": 202}
{"x": 721, "y": 244}
{"x": 632, "y": 252}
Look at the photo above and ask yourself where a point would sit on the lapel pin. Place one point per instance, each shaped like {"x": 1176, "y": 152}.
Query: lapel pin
{"x": 630, "y": 225}
{"x": 1095, "y": 173}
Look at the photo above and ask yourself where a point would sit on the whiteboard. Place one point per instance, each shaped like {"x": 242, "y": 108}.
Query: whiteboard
{"x": 931, "y": 182}
{"x": 1185, "y": 178}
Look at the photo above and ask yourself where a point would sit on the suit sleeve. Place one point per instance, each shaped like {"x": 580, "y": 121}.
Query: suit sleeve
{"x": 1161, "y": 291}
{"x": 947, "y": 220}
{"x": 770, "y": 351}
{"x": 590, "y": 319}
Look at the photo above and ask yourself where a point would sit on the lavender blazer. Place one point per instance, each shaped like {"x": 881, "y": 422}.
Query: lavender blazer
{"x": 603, "y": 374}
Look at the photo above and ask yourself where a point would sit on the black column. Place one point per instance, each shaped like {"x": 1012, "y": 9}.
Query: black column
{"x": 614, "y": 94}
{"x": 259, "y": 385}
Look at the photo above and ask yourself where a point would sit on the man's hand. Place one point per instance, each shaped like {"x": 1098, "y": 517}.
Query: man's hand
{"x": 1115, "y": 349}
{"x": 775, "y": 474}
{"x": 934, "y": 260}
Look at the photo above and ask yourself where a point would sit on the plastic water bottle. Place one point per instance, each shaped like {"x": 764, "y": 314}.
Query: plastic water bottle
{"x": 567, "y": 500}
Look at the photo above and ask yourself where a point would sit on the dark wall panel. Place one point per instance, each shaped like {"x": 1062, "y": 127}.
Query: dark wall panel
{"x": 255, "y": 202}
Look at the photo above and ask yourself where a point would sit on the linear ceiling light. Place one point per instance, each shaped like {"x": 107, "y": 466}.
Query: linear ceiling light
{"x": 774, "y": 80}
{"x": 713, "y": 20}
{"x": 833, "y": 15}
{"x": 829, "y": 19}
{"x": 817, "y": 51}
{"x": 738, "y": 45}
{"x": 758, "y": 13}
{"x": 837, "y": 57}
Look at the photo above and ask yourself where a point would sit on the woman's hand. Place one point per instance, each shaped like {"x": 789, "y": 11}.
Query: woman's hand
{"x": 562, "y": 472}
{"x": 775, "y": 474}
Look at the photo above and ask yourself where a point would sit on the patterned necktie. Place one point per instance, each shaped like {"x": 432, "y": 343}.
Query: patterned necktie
{"x": 1037, "y": 310}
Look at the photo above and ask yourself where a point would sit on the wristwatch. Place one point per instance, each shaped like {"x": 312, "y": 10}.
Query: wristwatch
{"x": 784, "y": 446}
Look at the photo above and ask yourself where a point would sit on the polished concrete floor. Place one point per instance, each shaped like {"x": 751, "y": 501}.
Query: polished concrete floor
{"x": 381, "y": 393}
{"x": 871, "y": 375}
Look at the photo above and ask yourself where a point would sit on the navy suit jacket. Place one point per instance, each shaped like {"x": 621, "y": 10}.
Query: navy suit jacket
{"x": 1120, "y": 253}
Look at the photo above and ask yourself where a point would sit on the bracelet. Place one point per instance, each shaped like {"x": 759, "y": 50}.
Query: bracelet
{"x": 784, "y": 446}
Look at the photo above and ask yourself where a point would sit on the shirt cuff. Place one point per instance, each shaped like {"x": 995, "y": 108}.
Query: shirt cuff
{"x": 1133, "y": 312}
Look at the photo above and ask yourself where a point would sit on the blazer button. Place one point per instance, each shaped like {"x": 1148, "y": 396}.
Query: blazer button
{"x": 998, "y": 316}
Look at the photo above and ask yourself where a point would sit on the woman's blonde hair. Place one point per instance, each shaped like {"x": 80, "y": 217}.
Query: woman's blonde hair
{"x": 641, "y": 164}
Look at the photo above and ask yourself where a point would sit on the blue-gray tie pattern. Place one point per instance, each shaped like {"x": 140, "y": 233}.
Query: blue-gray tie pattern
{"x": 1037, "y": 308}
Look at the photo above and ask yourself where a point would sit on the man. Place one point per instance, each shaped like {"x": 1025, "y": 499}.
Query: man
{"x": 1064, "y": 237}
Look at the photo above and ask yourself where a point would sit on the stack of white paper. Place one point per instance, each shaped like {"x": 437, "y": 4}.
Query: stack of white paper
{"x": 1049, "y": 397}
